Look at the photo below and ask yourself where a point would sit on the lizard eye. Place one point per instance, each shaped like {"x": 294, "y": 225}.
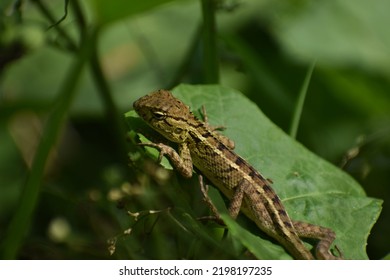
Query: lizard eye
{"x": 178, "y": 130}
{"x": 158, "y": 115}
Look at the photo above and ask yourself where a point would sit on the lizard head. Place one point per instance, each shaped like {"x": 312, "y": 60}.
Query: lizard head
{"x": 165, "y": 114}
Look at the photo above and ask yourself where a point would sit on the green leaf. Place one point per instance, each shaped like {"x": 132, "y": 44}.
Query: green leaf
{"x": 312, "y": 189}
{"x": 342, "y": 32}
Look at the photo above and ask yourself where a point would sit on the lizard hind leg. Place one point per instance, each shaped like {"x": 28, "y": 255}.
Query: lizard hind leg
{"x": 326, "y": 236}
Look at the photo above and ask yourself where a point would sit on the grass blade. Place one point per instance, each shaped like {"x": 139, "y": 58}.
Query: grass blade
{"x": 300, "y": 102}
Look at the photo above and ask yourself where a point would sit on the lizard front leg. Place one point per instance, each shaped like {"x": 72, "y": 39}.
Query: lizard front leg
{"x": 181, "y": 161}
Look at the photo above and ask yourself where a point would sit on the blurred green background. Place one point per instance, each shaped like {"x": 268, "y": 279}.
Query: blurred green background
{"x": 69, "y": 82}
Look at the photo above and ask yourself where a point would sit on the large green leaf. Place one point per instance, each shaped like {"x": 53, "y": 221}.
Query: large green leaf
{"x": 312, "y": 189}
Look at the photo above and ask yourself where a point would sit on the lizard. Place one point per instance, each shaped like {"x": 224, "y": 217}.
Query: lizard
{"x": 200, "y": 145}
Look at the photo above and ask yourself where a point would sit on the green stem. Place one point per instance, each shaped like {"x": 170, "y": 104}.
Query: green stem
{"x": 20, "y": 222}
{"x": 210, "y": 54}
{"x": 301, "y": 100}
{"x": 70, "y": 45}
{"x": 112, "y": 114}
{"x": 80, "y": 18}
